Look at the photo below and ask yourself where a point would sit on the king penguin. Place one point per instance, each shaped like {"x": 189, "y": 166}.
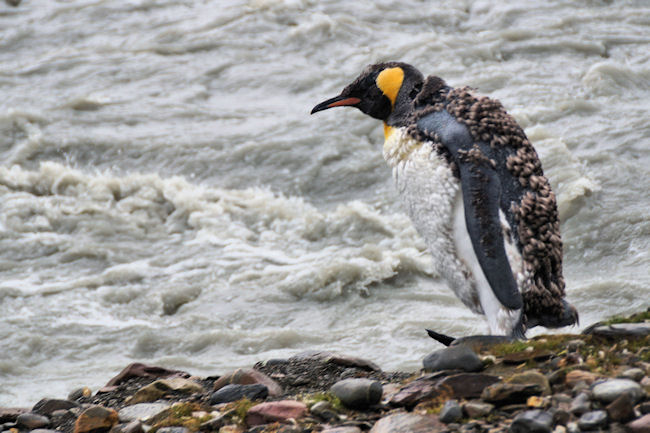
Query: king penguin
{"x": 473, "y": 185}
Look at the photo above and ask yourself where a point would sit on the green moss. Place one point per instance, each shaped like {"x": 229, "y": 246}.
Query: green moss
{"x": 312, "y": 399}
{"x": 634, "y": 318}
{"x": 180, "y": 415}
{"x": 552, "y": 343}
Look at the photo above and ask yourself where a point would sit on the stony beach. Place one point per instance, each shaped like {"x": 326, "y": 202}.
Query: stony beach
{"x": 595, "y": 381}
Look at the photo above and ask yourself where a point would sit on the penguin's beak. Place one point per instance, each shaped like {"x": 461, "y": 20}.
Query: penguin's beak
{"x": 337, "y": 101}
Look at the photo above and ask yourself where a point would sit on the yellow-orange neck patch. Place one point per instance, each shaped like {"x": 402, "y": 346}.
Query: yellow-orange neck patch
{"x": 389, "y": 82}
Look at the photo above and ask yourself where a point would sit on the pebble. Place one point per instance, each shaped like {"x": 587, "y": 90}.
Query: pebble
{"x": 468, "y": 385}
{"x": 510, "y": 393}
{"x": 477, "y": 408}
{"x": 593, "y": 420}
{"x": 576, "y": 376}
{"x": 275, "y": 411}
{"x": 144, "y": 412}
{"x": 641, "y": 425}
{"x": 94, "y": 418}
{"x": 32, "y": 420}
{"x": 451, "y": 412}
{"x": 233, "y": 392}
{"x": 532, "y": 377}
{"x": 218, "y": 420}
{"x": 621, "y": 409}
{"x": 412, "y": 393}
{"x": 357, "y": 393}
{"x": 48, "y": 405}
{"x": 156, "y": 390}
{"x": 130, "y": 427}
{"x": 610, "y": 390}
{"x": 635, "y": 374}
{"x": 80, "y": 392}
{"x": 453, "y": 358}
{"x": 532, "y": 421}
{"x": 347, "y": 429}
{"x": 249, "y": 376}
{"x": 407, "y": 423}
{"x": 580, "y": 404}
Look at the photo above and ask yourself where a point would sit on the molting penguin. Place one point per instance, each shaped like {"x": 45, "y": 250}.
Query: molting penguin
{"x": 474, "y": 188}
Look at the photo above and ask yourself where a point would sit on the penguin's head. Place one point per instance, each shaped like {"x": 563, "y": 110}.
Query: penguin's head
{"x": 381, "y": 90}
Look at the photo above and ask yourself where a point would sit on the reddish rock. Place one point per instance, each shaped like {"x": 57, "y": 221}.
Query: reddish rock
{"x": 412, "y": 393}
{"x": 621, "y": 409}
{"x": 641, "y": 425}
{"x": 95, "y": 418}
{"x": 576, "y": 376}
{"x": 510, "y": 393}
{"x": 248, "y": 376}
{"x": 467, "y": 385}
{"x": 142, "y": 370}
{"x": 408, "y": 423}
{"x": 275, "y": 411}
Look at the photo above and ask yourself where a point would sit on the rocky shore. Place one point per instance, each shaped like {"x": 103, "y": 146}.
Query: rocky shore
{"x": 595, "y": 381}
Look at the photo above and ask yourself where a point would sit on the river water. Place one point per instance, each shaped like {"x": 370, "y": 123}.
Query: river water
{"x": 166, "y": 198}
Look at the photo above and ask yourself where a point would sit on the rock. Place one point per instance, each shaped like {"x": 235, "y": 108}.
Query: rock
{"x": 234, "y": 392}
{"x": 249, "y": 376}
{"x": 13, "y": 2}
{"x": 130, "y": 427}
{"x": 275, "y": 411}
{"x": 357, "y": 393}
{"x": 641, "y": 425}
{"x": 532, "y": 421}
{"x": 64, "y": 417}
{"x": 510, "y": 393}
{"x": 147, "y": 413}
{"x": 644, "y": 408}
{"x": 142, "y": 370}
{"x": 593, "y": 420}
{"x": 610, "y": 390}
{"x": 581, "y": 404}
{"x": 619, "y": 330}
{"x": 349, "y": 429}
{"x": 338, "y": 359}
{"x": 621, "y": 409}
{"x": 467, "y": 385}
{"x": 324, "y": 410}
{"x": 10, "y": 414}
{"x": 80, "y": 392}
{"x": 450, "y": 412}
{"x": 477, "y": 408}
{"x": 174, "y": 429}
{"x": 407, "y": 423}
{"x": 561, "y": 417}
{"x": 48, "y": 405}
{"x": 575, "y": 376}
{"x": 44, "y": 430}
{"x": 574, "y": 345}
{"x": 95, "y": 418}
{"x": 527, "y": 355}
{"x": 532, "y": 377}
{"x": 32, "y": 421}
{"x": 572, "y": 427}
{"x": 156, "y": 390}
{"x": 412, "y": 393}
{"x": 453, "y": 358}
{"x": 635, "y": 374}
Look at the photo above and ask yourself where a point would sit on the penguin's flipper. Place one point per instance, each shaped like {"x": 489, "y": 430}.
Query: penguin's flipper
{"x": 481, "y": 188}
{"x": 440, "y": 338}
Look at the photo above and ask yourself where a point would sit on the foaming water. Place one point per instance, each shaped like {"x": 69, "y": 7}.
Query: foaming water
{"x": 166, "y": 198}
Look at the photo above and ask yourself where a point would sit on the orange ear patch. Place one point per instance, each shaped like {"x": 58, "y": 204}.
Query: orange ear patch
{"x": 390, "y": 81}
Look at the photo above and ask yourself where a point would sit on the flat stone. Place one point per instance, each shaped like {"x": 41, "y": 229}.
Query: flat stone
{"x": 532, "y": 421}
{"x": 357, "y": 393}
{"x": 581, "y": 404}
{"x": 532, "y": 377}
{"x": 641, "y": 425}
{"x": 95, "y": 418}
{"x": 453, "y": 358}
{"x": 593, "y": 420}
{"x": 451, "y": 412}
{"x": 407, "y": 423}
{"x": 610, "y": 390}
{"x": 138, "y": 369}
{"x": 32, "y": 421}
{"x": 275, "y": 411}
{"x": 467, "y": 385}
{"x": 146, "y": 413}
{"x": 48, "y": 405}
{"x": 576, "y": 376}
{"x": 337, "y": 358}
{"x": 635, "y": 374}
{"x": 477, "y": 408}
{"x": 248, "y": 376}
{"x": 156, "y": 390}
{"x": 510, "y": 393}
{"x": 414, "y": 392}
{"x": 10, "y": 414}
{"x": 234, "y": 392}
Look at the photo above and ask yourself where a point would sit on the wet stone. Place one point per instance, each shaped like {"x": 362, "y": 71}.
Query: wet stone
{"x": 32, "y": 421}
{"x": 407, "y": 423}
{"x": 358, "y": 393}
{"x": 48, "y": 405}
{"x": 234, "y": 392}
{"x": 532, "y": 421}
{"x": 593, "y": 420}
{"x": 453, "y": 358}
{"x": 610, "y": 390}
{"x": 450, "y": 412}
{"x": 79, "y": 393}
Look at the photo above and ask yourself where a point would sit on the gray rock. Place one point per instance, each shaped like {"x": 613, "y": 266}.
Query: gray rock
{"x": 581, "y": 404}
{"x": 130, "y": 427}
{"x": 144, "y": 412}
{"x": 593, "y": 420}
{"x": 620, "y": 330}
{"x": 236, "y": 392}
{"x": 450, "y": 412}
{"x": 32, "y": 421}
{"x": 453, "y": 358}
{"x": 532, "y": 421}
{"x": 79, "y": 392}
{"x": 610, "y": 390}
{"x": 358, "y": 393}
{"x": 407, "y": 423}
{"x": 572, "y": 427}
{"x": 44, "y": 430}
{"x": 346, "y": 429}
{"x": 635, "y": 374}
{"x": 48, "y": 405}
{"x": 477, "y": 408}
{"x": 324, "y": 410}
